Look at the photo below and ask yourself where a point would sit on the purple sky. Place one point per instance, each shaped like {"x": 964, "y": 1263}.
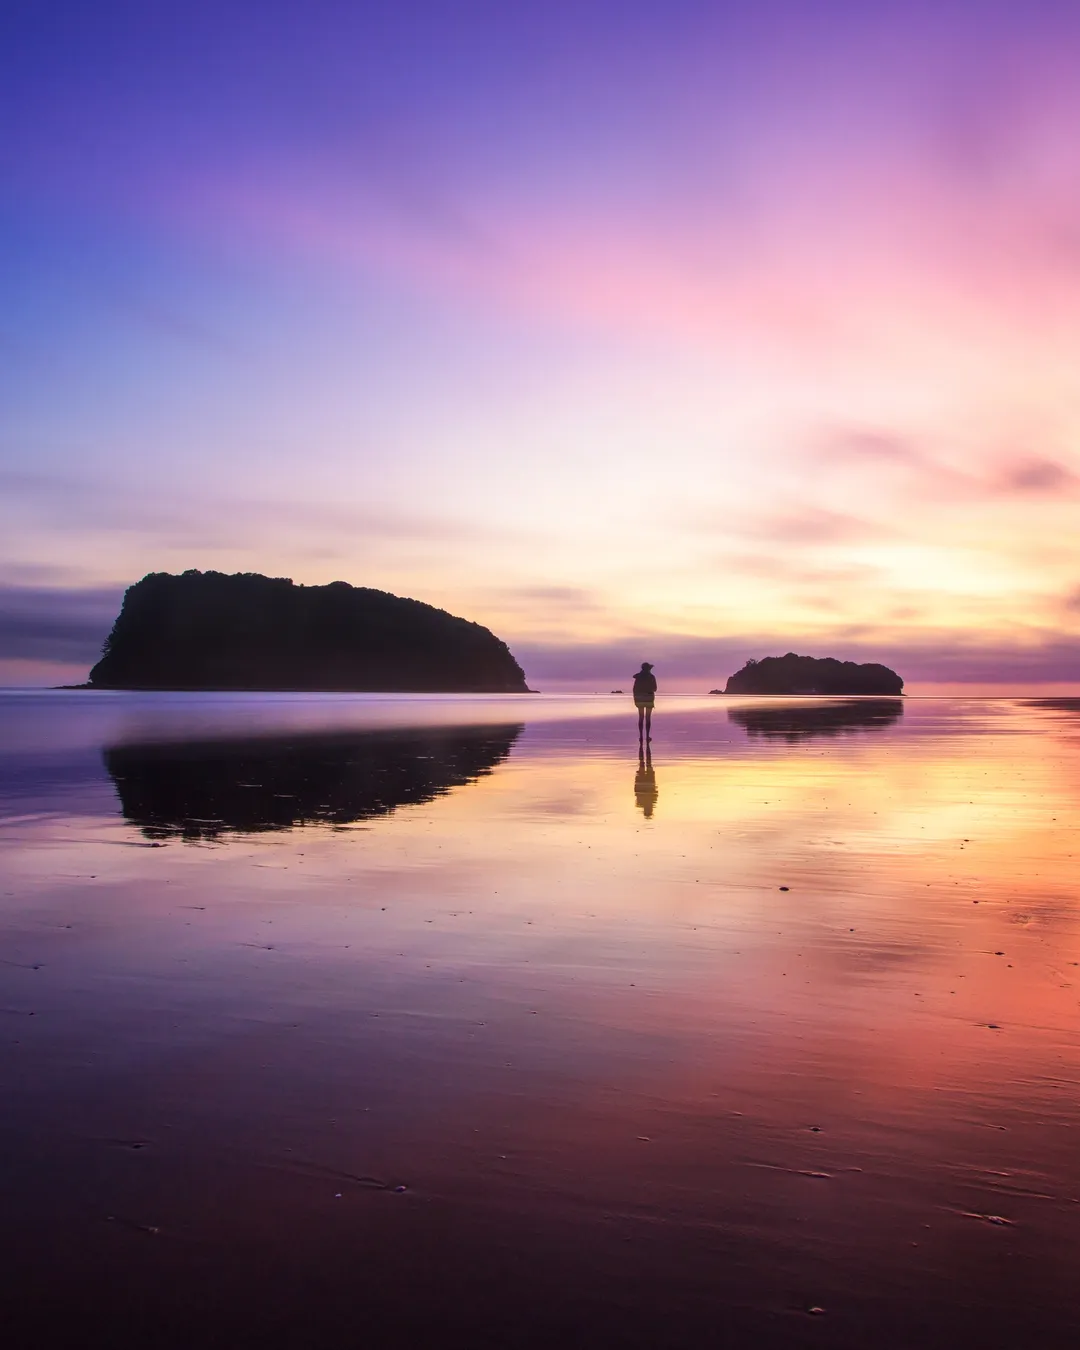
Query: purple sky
{"x": 681, "y": 331}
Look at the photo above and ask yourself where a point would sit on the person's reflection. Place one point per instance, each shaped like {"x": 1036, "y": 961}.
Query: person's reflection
{"x": 645, "y": 793}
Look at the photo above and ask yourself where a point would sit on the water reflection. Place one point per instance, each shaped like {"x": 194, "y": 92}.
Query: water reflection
{"x": 1067, "y": 705}
{"x": 645, "y": 791}
{"x": 808, "y": 1044}
{"x": 792, "y": 723}
{"x": 200, "y": 790}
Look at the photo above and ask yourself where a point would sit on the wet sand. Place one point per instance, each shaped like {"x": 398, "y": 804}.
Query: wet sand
{"x": 456, "y": 1022}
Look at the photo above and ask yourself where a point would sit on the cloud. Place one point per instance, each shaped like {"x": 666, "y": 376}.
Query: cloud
{"x": 35, "y": 575}
{"x": 569, "y": 597}
{"x": 816, "y": 525}
{"x": 683, "y": 661}
{"x": 911, "y": 471}
{"x": 896, "y": 463}
{"x": 177, "y": 520}
{"x": 604, "y": 662}
{"x": 1049, "y": 659}
{"x": 54, "y": 624}
{"x": 867, "y": 444}
{"x": 1071, "y": 602}
{"x": 782, "y": 520}
{"x": 1037, "y": 475}
{"x": 793, "y": 570}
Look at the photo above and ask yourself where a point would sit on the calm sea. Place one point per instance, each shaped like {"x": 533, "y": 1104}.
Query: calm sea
{"x": 460, "y": 1022}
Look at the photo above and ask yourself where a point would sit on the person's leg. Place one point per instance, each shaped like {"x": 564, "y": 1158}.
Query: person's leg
{"x": 648, "y": 722}
{"x": 640, "y": 720}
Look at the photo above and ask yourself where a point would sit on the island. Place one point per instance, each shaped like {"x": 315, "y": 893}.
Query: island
{"x": 208, "y": 630}
{"x": 793, "y": 674}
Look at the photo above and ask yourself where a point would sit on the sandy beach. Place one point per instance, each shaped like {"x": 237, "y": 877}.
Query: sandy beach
{"x": 411, "y": 1022}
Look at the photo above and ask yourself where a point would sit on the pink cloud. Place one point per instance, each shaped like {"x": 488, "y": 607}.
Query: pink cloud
{"x": 1038, "y": 475}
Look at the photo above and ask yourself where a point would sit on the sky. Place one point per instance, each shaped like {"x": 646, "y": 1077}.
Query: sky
{"x": 673, "y": 331}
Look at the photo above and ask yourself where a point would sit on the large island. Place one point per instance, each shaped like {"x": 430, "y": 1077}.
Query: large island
{"x": 206, "y": 630}
{"x": 793, "y": 674}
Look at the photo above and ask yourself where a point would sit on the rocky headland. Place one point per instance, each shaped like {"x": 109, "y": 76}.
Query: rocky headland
{"x": 207, "y": 630}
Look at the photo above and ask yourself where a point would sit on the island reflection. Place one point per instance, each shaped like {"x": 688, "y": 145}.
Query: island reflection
{"x": 202, "y": 790}
{"x": 802, "y": 723}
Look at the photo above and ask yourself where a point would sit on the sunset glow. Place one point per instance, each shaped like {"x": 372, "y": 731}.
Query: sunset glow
{"x": 692, "y": 332}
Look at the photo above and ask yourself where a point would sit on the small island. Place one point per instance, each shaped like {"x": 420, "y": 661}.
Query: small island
{"x": 208, "y": 630}
{"x": 793, "y": 674}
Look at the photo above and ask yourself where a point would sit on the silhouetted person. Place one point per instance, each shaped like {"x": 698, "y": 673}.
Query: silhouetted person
{"x": 645, "y": 793}
{"x": 644, "y": 699}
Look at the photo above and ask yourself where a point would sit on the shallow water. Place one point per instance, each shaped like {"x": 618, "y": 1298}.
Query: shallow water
{"x": 454, "y": 1021}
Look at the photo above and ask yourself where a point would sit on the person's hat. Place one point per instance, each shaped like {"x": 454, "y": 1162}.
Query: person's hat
{"x": 646, "y": 665}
